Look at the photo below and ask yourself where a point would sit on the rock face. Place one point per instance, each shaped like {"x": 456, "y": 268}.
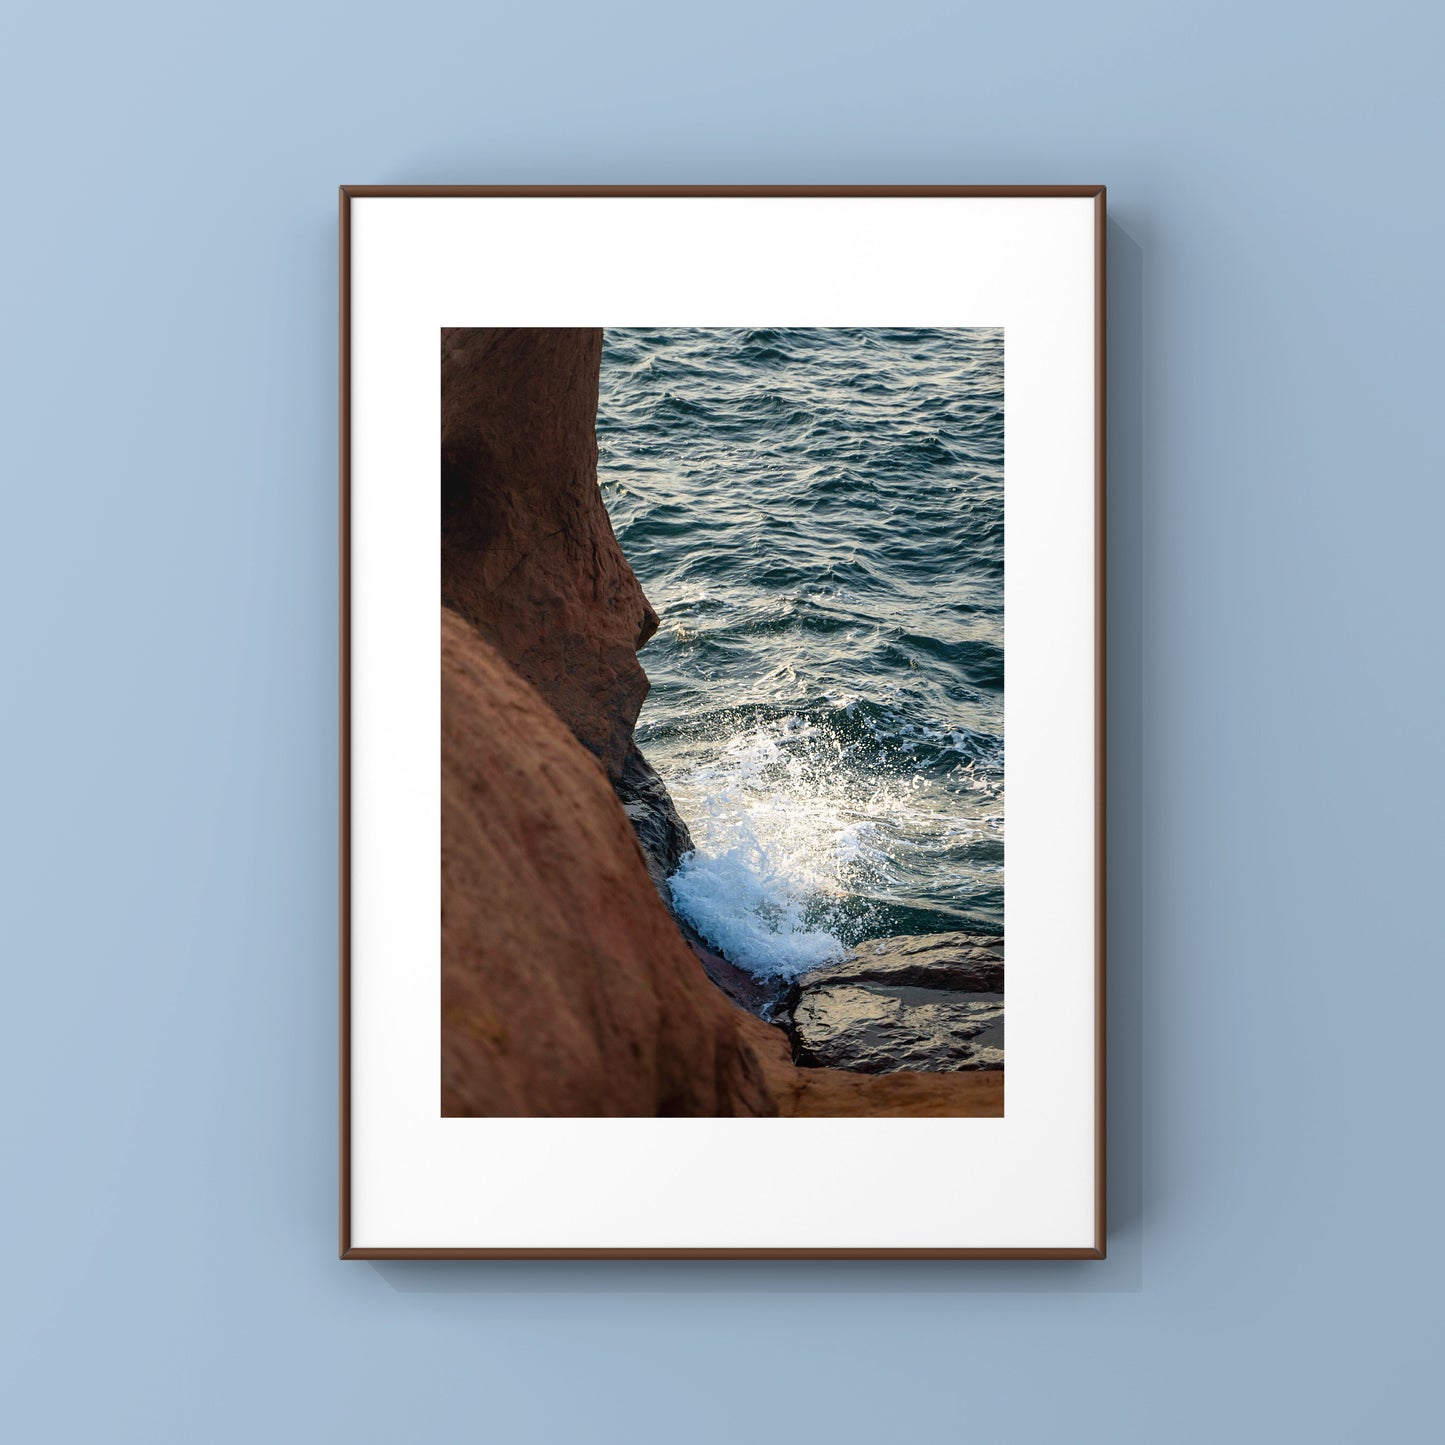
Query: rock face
{"x": 566, "y": 988}
{"x": 933, "y": 1002}
{"x": 834, "y": 1094}
{"x": 759, "y": 996}
{"x": 528, "y": 553}
{"x": 966, "y": 962}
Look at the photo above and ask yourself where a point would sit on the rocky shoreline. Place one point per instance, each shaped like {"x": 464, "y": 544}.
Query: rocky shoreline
{"x": 568, "y": 985}
{"x": 910, "y": 1002}
{"x": 931, "y": 1002}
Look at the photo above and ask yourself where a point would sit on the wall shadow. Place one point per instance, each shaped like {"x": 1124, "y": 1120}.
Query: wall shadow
{"x": 1123, "y": 1270}
{"x": 1125, "y": 800}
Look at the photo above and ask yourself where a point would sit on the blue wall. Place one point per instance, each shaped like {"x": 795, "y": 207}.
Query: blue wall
{"x": 168, "y": 573}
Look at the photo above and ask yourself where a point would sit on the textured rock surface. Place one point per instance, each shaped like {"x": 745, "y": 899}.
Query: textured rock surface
{"x": 528, "y": 553}
{"x": 971, "y": 962}
{"x": 932, "y": 1002}
{"x": 759, "y": 996}
{"x": 566, "y": 988}
{"x": 877, "y": 1030}
{"x": 834, "y": 1093}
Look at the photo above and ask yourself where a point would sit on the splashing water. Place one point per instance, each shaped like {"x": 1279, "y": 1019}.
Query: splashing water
{"x": 772, "y": 849}
{"x": 803, "y": 836}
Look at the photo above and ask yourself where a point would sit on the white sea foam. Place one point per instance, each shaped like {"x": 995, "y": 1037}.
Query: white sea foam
{"x": 753, "y": 915}
{"x": 759, "y": 883}
{"x": 782, "y": 827}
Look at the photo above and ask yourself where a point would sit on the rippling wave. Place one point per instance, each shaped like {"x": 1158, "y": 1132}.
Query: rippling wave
{"x": 817, "y": 516}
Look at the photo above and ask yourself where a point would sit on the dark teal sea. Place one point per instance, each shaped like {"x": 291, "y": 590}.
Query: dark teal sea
{"x": 818, "y": 518}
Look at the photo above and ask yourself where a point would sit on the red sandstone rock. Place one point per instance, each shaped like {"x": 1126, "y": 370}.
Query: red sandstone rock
{"x": 839, "y": 1094}
{"x": 566, "y": 987}
{"x": 528, "y": 552}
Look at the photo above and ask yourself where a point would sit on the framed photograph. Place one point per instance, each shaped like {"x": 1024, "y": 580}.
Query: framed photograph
{"x": 722, "y": 594}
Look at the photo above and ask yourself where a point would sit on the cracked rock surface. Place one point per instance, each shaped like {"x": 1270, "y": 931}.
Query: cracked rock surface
{"x": 931, "y": 1002}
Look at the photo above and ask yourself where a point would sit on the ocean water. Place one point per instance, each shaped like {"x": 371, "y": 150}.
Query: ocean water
{"x": 817, "y": 516}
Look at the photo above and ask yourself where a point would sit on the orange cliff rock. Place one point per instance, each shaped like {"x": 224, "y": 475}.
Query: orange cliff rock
{"x": 528, "y": 552}
{"x": 566, "y": 987}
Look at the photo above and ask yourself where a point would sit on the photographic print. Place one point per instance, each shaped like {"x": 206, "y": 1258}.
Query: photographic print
{"x": 722, "y": 590}
{"x": 722, "y": 674}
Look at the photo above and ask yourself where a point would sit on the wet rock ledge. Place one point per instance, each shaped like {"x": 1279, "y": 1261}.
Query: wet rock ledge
{"x": 932, "y": 1002}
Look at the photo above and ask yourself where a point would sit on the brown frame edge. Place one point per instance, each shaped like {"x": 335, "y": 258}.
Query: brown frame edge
{"x": 346, "y": 1250}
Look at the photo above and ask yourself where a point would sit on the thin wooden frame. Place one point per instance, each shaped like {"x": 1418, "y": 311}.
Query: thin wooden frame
{"x": 349, "y": 193}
